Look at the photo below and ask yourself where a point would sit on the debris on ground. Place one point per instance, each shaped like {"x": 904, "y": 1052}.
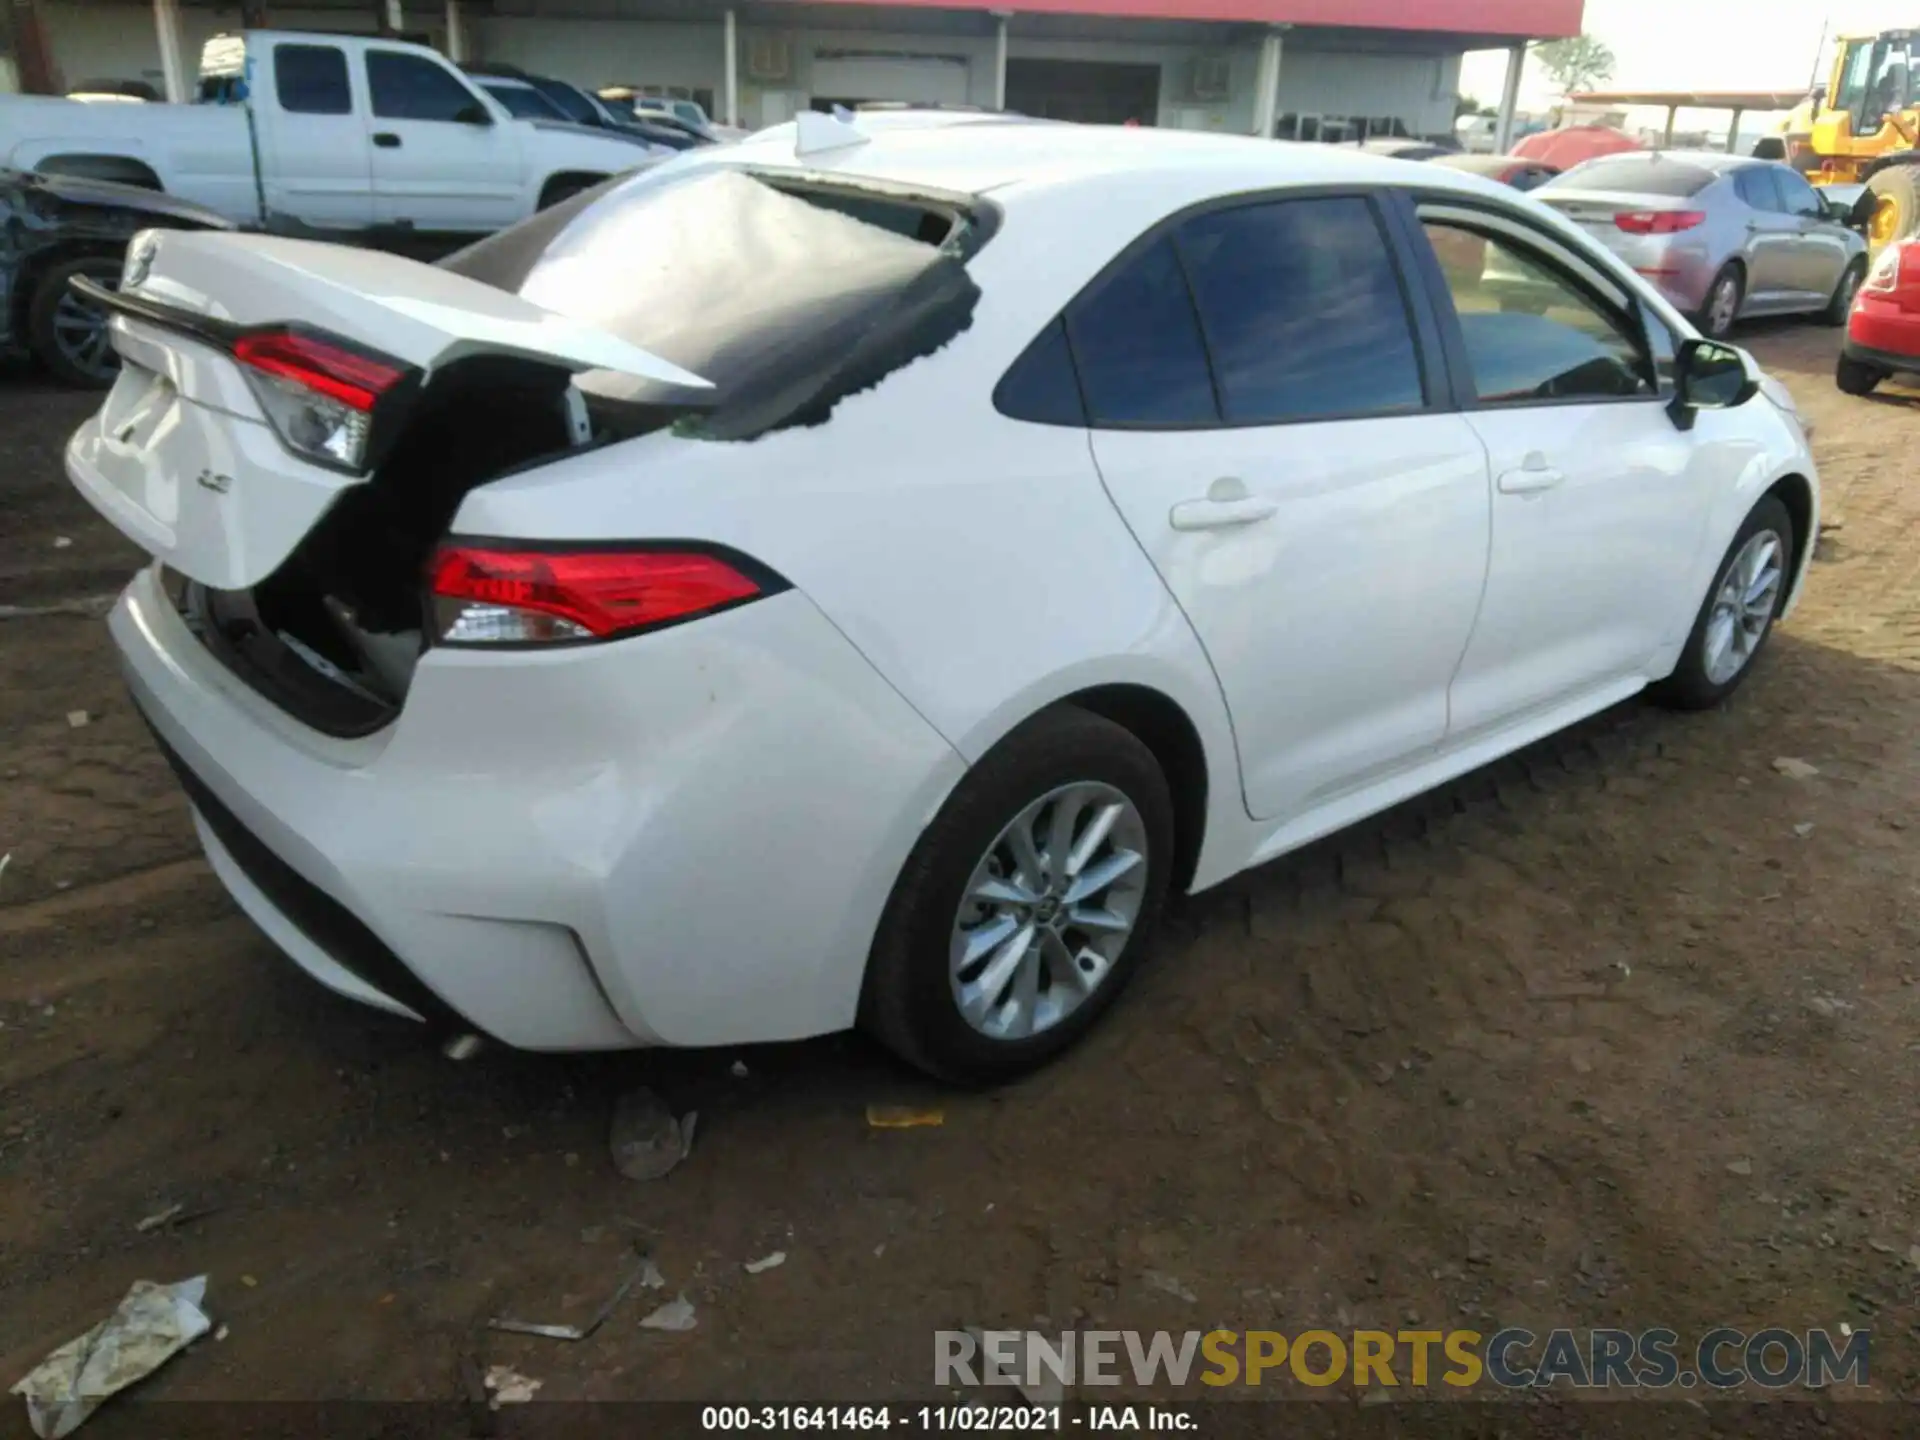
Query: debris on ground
{"x": 77, "y": 718}
{"x": 635, "y": 1274}
{"x": 159, "y": 1218}
{"x": 1741, "y": 1166}
{"x": 650, "y": 1276}
{"x": 151, "y": 1324}
{"x": 89, "y": 608}
{"x": 902, "y": 1117}
{"x": 462, "y": 1047}
{"x": 222, "y": 1332}
{"x": 738, "y": 1070}
{"x": 676, "y": 1314}
{"x": 509, "y": 1386}
{"x": 1168, "y": 1285}
{"x": 1913, "y": 1254}
{"x": 1803, "y": 829}
{"x": 3, "y": 861}
{"x": 1795, "y": 769}
{"x": 646, "y": 1140}
{"x": 766, "y": 1262}
{"x": 62, "y": 542}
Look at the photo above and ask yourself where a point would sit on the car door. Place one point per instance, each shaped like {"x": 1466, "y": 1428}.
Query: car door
{"x": 441, "y": 161}
{"x": 1599, "y": 500}
{"x": 1268, "y": 421}
{"x": 1824, "y": 248}
{"x": 318, "y": 170}
{"x": 1772, "y": 248}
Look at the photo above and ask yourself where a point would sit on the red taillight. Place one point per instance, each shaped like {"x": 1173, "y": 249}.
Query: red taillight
{"x": 352, "y": 377}
{"x": 1658, "y": 222}
{"x": 1885, "y": 274}
{"x": 318, "y": 393}
{"x": 485, "y": 596}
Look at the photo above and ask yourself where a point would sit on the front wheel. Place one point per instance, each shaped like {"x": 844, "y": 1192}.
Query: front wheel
{"x": 1027, "y": 903}
{"x": 1841, "y": 303}
{"x": 1738, "y": 614}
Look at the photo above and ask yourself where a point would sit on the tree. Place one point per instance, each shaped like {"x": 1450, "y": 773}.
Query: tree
{"x": 1576, "y": 64}
{"x": 1464, "y": 105}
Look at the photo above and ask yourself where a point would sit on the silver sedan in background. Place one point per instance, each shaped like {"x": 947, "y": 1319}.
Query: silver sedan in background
{"x": 1725, "y": 237}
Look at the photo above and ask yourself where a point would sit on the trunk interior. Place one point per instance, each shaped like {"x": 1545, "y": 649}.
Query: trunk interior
{"x": 334, "y": 634}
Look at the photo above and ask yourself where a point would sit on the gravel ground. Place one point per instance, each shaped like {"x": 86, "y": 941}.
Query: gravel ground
{"x": 1620, "y": 1031}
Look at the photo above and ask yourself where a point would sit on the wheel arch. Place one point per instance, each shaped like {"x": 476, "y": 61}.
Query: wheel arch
{"x": 1796, "y": 493}
{"x": 563, "y": 184}
{"x": 33, "y": 269}
{"x": 1888, "y": 162}
{"x": 1156, "y": 720}
{"x": 1182, "y": 719}
{"x": 86, "y": 165}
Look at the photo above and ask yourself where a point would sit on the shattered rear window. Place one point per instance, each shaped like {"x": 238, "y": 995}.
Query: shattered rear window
{"x": 789, "y": 295}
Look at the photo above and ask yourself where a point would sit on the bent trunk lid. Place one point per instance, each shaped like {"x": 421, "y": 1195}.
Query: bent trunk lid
{"x": 181, "y": 458}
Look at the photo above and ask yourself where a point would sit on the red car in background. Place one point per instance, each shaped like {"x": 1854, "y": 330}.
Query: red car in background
{"x": 1883, "y": 328}
{"x": 1515, "y": 170}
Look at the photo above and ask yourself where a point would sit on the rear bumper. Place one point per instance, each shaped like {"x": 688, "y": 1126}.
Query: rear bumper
{"x": 1883, "y": 334}
{"x": 684, "y": 839}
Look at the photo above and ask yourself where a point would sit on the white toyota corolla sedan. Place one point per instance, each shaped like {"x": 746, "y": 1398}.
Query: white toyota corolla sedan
{"x": 855, "y": 575}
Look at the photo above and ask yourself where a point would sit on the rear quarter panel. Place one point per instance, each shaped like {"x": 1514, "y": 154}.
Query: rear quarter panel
{"x": 975, "y": 561}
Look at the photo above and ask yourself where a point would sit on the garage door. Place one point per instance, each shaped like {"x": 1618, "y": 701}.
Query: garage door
{"x": 923, "y": 80}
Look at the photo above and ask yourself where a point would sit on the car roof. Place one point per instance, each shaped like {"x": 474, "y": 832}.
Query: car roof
{"x": 1718, "y": 161}
{"x": 1488, "y": 164}
{"x": 974, "y": 154}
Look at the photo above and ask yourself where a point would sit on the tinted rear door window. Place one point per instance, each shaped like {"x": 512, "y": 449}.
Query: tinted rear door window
{"x": 1302, "y": 311}
{"x": 311, "y": 80}
{"x": 406, "y": 87}
{"x": 1138, "y": 345}
{"x": 1756, "y": 187}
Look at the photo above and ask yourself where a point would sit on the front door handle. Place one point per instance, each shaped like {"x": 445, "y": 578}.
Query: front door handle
{"x": 386, "y": 140}
{"x": 1227, "y": 504}
{"x": 1533, "y": 476}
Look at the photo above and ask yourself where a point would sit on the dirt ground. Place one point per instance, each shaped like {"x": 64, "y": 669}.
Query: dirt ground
{"x": 1618, "y": 1032}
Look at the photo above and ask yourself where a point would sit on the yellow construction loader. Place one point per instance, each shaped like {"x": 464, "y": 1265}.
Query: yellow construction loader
{"x": 1863, "y": 127}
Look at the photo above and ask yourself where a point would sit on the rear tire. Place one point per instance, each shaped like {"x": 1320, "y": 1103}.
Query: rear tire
{"x": 1841, "y": 305}
{"x": 1736, "y": 618}
{"x": 1722, "y": 305}
{"x": 67, "y": 335}
{"x": 922, "y": 961}
{"x": 1857, "y": 377}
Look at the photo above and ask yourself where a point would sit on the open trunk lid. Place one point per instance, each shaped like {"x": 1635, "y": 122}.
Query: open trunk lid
{"x": 185, "y": 458}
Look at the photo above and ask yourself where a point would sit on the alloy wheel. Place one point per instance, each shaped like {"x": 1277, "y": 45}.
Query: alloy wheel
{"x": 80, "y": 330}
{"x": 1048, "y": 910}
{"x": 1743, "y": 606}
{"x": 1724, "y": 305}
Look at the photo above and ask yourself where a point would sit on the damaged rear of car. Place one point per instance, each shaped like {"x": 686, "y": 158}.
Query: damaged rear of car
{"x": 60, "y": 226}
{"x": 330, "y": 663}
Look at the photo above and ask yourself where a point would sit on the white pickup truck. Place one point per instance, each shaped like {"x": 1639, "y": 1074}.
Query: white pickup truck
{"x": 300, "y": 133}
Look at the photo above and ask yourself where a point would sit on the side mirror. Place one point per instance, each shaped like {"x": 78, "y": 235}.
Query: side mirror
{"x": 474, "y": 114}
{"x": 1710, "y": 376}
{"x": 1838, "y": 210}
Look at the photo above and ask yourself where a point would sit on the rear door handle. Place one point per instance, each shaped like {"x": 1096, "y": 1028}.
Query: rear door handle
{"x": 1533, "y": 476}
{"x": 386, "y": 140}
{"x": 1227, "y": 504}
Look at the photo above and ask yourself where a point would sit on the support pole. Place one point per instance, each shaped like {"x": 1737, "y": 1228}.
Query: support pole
{"x": 173, "y": 68}
{"x": 1000, "y": 18}
{"x": 1266, "y": 84}
{"x": 32, "y": 53}
{"x": 456, "y": 33}
{"x": 1510, "y": 98}
{"x": 1666, "y": 142}
{"x": 733, "y": 71}
{"x": 1733, "y": 131}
